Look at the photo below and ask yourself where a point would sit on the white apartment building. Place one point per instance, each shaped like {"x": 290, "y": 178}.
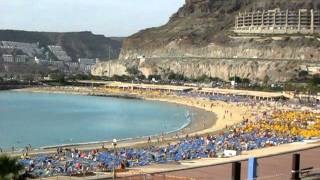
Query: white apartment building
{"x": 7, "y": 58}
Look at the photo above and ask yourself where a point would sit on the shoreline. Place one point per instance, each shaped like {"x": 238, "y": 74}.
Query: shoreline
{"x": 201, "y": 120}
{"x": 188, "y": 127}
{"x": 239, "y": 111}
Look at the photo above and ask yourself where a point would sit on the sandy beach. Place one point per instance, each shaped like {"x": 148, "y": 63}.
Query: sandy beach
{"x": 209, "y": 116}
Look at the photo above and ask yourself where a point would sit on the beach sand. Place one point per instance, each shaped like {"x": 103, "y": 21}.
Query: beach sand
{"x": 223, "y": 120}
{"x": 209, "y": 116}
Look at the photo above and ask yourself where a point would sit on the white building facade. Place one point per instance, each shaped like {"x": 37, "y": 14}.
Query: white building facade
{"x": 8, "y": 58}
{"x": 86, "y": 64}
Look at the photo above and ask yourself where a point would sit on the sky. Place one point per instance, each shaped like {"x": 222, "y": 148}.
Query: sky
{"x": 109, "y": 17}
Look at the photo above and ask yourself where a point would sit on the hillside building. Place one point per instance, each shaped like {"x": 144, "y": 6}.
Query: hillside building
{"x": 72, "y": 66}
{"x": 58, "y": 64}
{"x": 7, "y": 58}
{"x": 40, "y": 61}
{"x": 86, "y": 64}
{"x": 20, "y": 58}
{"x": 30, "y": 49}
{"x": 87, "y": 61}
{"x": 278, "y": 21}
{"x": 59, "y": 53}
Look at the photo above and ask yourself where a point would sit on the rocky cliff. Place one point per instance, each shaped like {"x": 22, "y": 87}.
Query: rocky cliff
{"x": 203, "y": 28}
{"x": 198, "y": 39}
{"x": 257, "y": 70}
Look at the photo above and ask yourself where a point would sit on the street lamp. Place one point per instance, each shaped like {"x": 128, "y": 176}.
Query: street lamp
{"x": 114, "y": 144}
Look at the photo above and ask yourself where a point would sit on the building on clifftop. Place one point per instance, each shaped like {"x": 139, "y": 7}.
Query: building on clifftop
{"x": 278, "y": 21}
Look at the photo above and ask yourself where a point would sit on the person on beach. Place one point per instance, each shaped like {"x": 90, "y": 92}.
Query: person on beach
{"x": 280, "y": 128}
{"x": 162, "y": 137}
{"x": 123, "y": 165}
{"x": 58, "y": 150}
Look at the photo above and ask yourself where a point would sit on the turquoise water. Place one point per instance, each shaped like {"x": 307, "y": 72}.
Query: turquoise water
{"x": 53, "y": 119}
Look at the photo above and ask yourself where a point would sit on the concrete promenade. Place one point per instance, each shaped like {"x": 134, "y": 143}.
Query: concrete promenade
{"x": 273, "y": 167}
{"x": 220, "y": 168}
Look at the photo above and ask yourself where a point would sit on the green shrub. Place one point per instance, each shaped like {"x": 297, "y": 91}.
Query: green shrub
{"x": 9, "y": 168}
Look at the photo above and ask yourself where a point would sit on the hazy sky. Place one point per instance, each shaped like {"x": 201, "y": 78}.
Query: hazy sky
{"x": 108, "y": 17}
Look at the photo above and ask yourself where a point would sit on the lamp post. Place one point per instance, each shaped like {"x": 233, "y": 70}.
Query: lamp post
{"x": 114, "y": 144}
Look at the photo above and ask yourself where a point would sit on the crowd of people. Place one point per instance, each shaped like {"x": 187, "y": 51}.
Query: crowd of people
{"x": 267, "y": 129}
{"x": 244, "y": 99}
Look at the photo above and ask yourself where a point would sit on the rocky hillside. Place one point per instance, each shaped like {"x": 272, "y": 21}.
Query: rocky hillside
{"x": 198, "y": 40}
{"x": 77, "y": 44}
{"x": 261, "y": 70}
{"x": 203, "y": 28}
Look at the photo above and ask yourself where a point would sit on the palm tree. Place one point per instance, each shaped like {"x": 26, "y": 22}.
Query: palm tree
{"x": 9, "y": 168}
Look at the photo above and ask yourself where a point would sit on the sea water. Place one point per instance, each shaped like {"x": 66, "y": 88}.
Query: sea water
{"x": 42, "y": 119}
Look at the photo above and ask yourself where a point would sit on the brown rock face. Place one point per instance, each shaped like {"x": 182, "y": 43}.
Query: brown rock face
{"x": 195, "y": 7}
{"x": 200, "y": 23}
{"x": 198, "y": 40}
{"x": 255, "y": 70}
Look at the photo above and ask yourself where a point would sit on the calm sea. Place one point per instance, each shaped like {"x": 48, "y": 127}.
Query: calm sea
{"x": 43, "y": 119}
